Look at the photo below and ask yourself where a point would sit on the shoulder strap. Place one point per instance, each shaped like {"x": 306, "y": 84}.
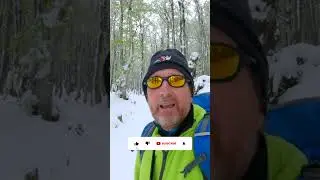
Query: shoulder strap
{"x": 201, "y": 148}
{"x": 147, "y": 132}
{"x": 203, "y": 128}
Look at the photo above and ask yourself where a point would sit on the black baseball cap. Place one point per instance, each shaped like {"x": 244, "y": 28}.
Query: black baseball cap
{"x": 168, "y": 59}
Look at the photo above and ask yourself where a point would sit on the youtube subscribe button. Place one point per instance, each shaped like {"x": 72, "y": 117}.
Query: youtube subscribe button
{"x": 160, "y": 143}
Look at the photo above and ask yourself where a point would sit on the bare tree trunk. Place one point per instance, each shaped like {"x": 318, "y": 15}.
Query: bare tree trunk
{"x": 100, "y": 56}
{"x": 131, "y": 52}
{"x": 142, "y": 55}
{"x": 183, "y": 34}
{"x": 181, "y": 28}
{"x": 168, "y": 38}
{"x": 185, "y": 38}
{"x": 172, "y": 21}
{"x": 43, "y": 90}
{"x": 168, "y": 25}
{"x": 121, "y": 31}
{"x": 114, "y": 50}
{"x": 98, "y": 64}
{"x": 5, "y": 61}
{"x": 105, "y": 20}
{"x": 203, "y": 47}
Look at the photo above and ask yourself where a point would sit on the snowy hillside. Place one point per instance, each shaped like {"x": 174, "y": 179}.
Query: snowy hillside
{"x": 72, "y": 148}
{"x": 300, "y": 62}
{"x": 134, "y": 115}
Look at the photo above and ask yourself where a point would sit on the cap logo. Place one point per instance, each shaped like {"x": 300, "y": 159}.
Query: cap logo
{"x": 162, "y": 59}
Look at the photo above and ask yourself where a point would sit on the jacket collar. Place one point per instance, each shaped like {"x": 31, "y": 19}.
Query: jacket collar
{"x": 195, "y": 114}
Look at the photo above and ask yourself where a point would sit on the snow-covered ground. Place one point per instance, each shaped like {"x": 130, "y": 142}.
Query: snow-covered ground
{"x": 135, "y": 115}
{"x": 73, "y": 148}
{"x": 301, "y": 61}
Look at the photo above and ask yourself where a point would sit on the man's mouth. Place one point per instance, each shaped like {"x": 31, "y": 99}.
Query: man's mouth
{"x": 167, "y": 106}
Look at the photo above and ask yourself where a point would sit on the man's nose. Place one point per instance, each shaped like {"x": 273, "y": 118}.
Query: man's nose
{"x": 165, "y": 89}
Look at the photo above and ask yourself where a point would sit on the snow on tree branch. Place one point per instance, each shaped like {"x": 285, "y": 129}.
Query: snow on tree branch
{"x": 259, "y": 9}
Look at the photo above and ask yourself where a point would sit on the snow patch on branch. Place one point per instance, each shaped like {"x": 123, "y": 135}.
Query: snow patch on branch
{"x": 194, "y": 56}
{"x": 300, "y": 63}
{"x": 259, "y": 9}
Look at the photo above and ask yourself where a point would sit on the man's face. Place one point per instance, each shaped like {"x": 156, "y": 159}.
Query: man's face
{"x": 237, "y": 118}
{"x": 169, "y": 106}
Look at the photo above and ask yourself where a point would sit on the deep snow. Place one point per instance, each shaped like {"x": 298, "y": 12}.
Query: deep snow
{"x": 79, "y": 139}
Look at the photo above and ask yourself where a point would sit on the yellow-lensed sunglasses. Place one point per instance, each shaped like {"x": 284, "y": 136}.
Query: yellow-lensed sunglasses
{"x": 226, "y": 62}
{"x": 173, "y": 80}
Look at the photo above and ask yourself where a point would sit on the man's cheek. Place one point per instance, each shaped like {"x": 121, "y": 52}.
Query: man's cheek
{"x": 152, "y": 105}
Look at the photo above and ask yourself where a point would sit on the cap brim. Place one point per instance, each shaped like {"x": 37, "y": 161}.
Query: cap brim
{"x": 166, "y": 65}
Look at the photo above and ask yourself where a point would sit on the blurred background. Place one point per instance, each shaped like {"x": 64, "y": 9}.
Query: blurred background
{"x": 53, "y": 100}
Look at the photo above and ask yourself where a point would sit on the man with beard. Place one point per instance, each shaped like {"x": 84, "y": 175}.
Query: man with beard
{"x": 168, "y": 88}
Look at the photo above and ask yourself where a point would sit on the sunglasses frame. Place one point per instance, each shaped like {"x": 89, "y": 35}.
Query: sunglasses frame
{"x": 166, "y": 79}
{"x": 244, "y": 60}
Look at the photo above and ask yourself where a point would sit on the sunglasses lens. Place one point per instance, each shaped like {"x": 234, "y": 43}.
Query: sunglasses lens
{"x": 154, "y": 82}
{"x": 176, "y": 81}
{"x": 224, "y": 62}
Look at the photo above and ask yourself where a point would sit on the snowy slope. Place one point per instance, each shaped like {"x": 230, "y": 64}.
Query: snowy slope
{"x": 309, "y": 86}
{"x": 284, "y": 64}
{"x": 63, "y": 150}
{"x": 135, "y": 117}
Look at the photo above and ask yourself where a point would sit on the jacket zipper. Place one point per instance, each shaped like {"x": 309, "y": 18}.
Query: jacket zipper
{"x": 164, "y": 159}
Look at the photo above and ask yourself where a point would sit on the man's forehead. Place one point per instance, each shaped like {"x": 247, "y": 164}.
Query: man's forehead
{"x": 218, "y": 36}
{"x": 166, "y": 72}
